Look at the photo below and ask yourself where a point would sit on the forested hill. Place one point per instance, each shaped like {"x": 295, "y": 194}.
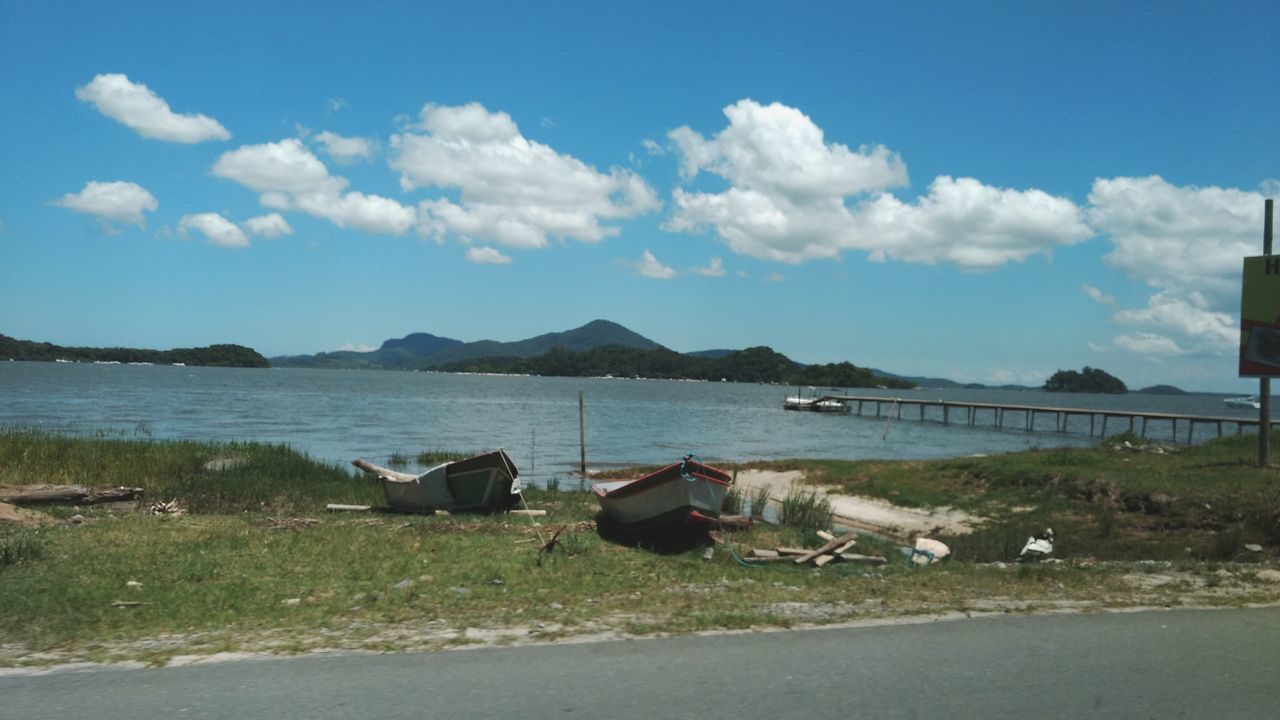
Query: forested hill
{"x": 757, "y": 364}
{"x": 213, "y": 355}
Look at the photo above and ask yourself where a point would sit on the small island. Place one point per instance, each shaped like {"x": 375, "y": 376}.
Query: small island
{"x": 1088, "y": 380}
{"x": 224, "y": 355}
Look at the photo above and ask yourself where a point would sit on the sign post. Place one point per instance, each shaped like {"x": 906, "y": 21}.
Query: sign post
{"x": 1260, "y": 329}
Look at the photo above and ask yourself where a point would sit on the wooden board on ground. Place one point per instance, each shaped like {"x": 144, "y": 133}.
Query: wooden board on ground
{"x": 831, "y": 545}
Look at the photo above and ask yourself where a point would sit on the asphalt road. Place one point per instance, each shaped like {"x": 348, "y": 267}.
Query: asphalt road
{"x": 1217, "y": 664}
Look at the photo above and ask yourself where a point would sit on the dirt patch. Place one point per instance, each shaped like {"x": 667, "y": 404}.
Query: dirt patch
{"x": 13, "y": 515}
{"x": 860, "y": 513}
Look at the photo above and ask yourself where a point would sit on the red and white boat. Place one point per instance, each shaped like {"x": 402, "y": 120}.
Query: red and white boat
{"x": 688, "y": 492}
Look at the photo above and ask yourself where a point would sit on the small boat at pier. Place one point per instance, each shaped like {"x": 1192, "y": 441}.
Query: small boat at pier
{"x": 484, "y": 483}
{"x": 685, "y": 493}
{"x": 796, "y": 402}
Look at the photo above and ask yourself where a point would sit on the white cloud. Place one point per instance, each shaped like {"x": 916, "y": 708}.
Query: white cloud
{"x": 136, "y": 106}
{"x": 1004, "y": 376}
{"x": 1098, "y": 296}
{"x": 778, "y": 150}
{"x": 713, "y": 269}
{"x": 217, "y": 229}
{"x": 111, "y": 201}
{"x": 486, "y": 256}
{"x": 774, "y": 278}
{"x": 290, "y": 177}
{"x": 650, "y": 267}
{"x": 1187, "y": 243}
{"x": 652, "y": 147}
{"x": 1181, "y": 238}
{"x": 1190, "y": 316}
{"x": 513, "y": 191}
{"x": 352, "y": 347}
{"x": 965, "y": 222}
{"x": 271, "y": 225}
{"x": 789, "y": 186}
{"x": 345, "y": 150}
{"x": 1144, "y": 343}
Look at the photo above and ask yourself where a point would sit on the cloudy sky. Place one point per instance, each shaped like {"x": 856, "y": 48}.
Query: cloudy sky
{"x": 983, "y": 191}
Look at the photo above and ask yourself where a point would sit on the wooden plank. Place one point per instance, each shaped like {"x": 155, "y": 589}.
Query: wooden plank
{"x": 826, "y": 536}
{"x": 528, "y": 513}
{"x": 759, "y": 554}
{"x": 339, "y": 507}
{"x": 832, "y": 545}
{"x": 823, "y": 560}
{"x": 863, "y": 559}
{"x": 792, "y": 551}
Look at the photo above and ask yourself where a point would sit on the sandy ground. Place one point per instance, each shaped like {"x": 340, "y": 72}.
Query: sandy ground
{"x": 865, "y": 514}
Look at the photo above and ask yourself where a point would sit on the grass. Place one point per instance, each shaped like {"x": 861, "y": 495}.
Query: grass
{"x": 258, "y": 564}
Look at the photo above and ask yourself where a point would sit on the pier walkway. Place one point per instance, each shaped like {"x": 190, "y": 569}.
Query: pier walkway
{"x": 971, "y": 412}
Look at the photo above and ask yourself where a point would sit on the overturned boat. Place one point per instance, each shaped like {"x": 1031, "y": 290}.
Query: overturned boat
{"x": 484, "y": 483}
{"x": 688, "y": 492}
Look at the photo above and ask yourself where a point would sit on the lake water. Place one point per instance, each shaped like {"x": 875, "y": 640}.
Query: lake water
{"x": 340, "y": 415}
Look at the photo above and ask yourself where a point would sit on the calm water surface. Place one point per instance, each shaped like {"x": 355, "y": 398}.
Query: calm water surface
{"x": 340, "y": 415}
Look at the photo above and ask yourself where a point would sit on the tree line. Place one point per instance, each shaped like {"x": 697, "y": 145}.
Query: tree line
{"x": 756, "y": 364}
{"x": 222, "y": 355}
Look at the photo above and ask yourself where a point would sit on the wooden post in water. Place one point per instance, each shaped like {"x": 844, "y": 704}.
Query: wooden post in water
{"x": 582, "y": 436}
{"x": 1264, "y": 384}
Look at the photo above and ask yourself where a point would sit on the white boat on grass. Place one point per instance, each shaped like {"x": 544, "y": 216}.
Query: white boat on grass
{"x": 484, "y": 483}
{"x": 680, "y": 494}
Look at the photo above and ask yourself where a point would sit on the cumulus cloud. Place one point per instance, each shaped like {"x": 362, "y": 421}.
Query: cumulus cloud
{"x": 650, "y": 267}
{"x": 713, "y": 269}
{"x": 353, "y": 347}
{"x": 1189, "y": 315}
{"x": 1186, "y": 242}
{"x": 271, "y": 225}
{"x": 1098, "y": 296}
{"x": 774, "y": 278}
{"x": 512, "y": 191}
{"x": 486, "y": 256}
{"x": 1177, "y": 237}
{"x": 1144, "y": 343}
{"x": 345, "y": 150}
{"x": 789, "y": 189}
{"x": 136, "y": 106}
{"x": 217, "y": 229}
{"x": 111, "y": 201}
{"x": 290, "y": 177}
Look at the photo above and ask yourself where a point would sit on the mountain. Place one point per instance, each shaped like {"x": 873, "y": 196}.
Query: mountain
{"x": 422, "y": 351}
{"x": 595, "y": 334}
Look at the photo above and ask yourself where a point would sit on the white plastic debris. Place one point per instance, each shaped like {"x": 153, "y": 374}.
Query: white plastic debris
{"x": 1038, "y": 546}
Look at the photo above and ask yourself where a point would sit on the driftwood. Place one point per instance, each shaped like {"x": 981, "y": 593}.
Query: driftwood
{"x": 863, "y": 559}
{"x": 66, "y": 494}
{"x": 380, "y": 471}
{"x": 831, "y": 545}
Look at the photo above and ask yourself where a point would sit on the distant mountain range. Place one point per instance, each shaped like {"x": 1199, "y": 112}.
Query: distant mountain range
{"x": 423, "y": 351}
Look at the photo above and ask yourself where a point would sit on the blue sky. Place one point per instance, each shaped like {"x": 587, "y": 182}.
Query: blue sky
{"x": 981, "y": 191}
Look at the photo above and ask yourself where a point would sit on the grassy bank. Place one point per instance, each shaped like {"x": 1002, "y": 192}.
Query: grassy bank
{"x": 258, "y": 565}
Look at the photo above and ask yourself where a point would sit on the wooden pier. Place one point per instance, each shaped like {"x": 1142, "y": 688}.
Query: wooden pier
{"x": 971, "y": 412}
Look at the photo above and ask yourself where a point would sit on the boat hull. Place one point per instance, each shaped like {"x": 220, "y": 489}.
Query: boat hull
{"x": 486, "y": 483}
{"x": 688, "y": 493}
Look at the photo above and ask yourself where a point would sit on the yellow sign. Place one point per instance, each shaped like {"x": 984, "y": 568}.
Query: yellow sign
{"x": 1260, "y": 317}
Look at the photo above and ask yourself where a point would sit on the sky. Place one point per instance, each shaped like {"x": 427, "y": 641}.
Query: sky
{"x": 980, "y": 191}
